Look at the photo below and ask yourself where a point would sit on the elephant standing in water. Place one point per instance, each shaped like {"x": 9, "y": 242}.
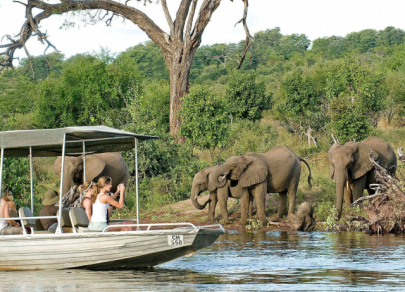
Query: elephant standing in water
{"x": 350, "y": 167}
{"x": 97, "y": 165}
{"x": 276, "y": 171}
{"x": 203, "y": 181}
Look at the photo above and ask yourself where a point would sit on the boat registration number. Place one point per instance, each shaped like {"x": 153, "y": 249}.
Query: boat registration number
{"x": 175, "y": 240}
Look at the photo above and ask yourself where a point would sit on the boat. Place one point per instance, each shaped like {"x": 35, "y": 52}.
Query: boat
{"x": 148, "y": 245}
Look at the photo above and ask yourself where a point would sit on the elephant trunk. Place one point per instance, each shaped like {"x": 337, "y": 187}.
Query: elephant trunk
{"x": 67, "y": 183}
{"x": 219, "y": 177}
{"x": 194, "y": 200}
{"x": 340, "y": 185}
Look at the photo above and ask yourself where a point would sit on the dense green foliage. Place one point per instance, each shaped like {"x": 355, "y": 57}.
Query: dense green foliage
{"x": 205, "y": 122}
{"x": 347, "y": 86}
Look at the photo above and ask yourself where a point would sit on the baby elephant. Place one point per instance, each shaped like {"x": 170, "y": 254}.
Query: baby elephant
{"x": 304, "y": 217}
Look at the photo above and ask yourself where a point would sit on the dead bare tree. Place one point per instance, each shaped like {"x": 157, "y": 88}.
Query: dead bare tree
{"x": 179, "y": 45}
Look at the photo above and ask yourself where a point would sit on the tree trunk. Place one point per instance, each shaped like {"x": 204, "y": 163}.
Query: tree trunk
{"x": 179, "y": 64}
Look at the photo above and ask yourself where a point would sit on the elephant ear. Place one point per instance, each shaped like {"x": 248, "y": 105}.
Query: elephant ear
{"x": 330, "y": 153}
{"x": 94, "y": 167}
{"x": 256, "y": 171}
{"x": 361, "y": 157}
{"x": 57, "y": 165}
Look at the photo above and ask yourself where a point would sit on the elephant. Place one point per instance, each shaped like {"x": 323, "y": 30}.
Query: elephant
{"x": 203, "y": 181}
{"x": 353, "y": 171}
{"x": 304, "y": 218}
{"x": 276, "y": 171}
{"x": 97, "y": 165}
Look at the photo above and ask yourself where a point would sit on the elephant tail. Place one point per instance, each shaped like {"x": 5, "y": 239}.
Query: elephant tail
{"x": 309, "y": 169}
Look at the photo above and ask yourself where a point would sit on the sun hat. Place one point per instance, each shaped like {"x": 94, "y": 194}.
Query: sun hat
{"x": 50, "y": 198}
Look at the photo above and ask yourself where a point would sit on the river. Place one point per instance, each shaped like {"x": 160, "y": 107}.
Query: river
{"x": 249, "y": 261}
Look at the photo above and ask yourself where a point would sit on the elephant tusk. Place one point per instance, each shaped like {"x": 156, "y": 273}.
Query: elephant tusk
{"x": 347, "y": 185}
{"x": 223, "y": 177}
{"x": 196, "y": 196}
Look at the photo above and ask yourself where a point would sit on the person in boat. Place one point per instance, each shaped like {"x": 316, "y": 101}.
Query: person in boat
{"x": 7, "y": 227}
{"x": 51, "y": 197}
{"x": 8, "y": 196}
{"x": 90, "y": 189}
{"x": 102, "y": 200}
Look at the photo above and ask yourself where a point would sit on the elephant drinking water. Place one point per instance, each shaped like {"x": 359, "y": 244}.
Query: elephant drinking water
{"x": 276, "y": 171}
{"x": 203, "y": 181}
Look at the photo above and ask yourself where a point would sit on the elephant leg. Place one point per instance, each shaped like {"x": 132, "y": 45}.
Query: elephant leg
{"x": 358, "y": 187}
{"x": 212, "y": 206}
{"x": 260, "y": 192}
{"x": 250, "y": 205}
{"x": 223, "y": 204}
{"x": 292, "y": 193}
{"x": 282, "y": 204}
{"x": 307, "y": 222}
{"x": 244, "y": 207}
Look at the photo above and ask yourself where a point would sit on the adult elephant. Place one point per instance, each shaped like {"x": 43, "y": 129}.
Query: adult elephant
{"x": 97, "y": 165}
{"x": 350, "y": 167}
{"x": 203, "y": 181}
{"x": 276, "y": 171}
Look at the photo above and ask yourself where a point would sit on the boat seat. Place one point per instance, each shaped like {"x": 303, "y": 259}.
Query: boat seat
{"x": 31, "y": 223}
{"x": 65, "y": 223}
{"x": 78, "y": 218}
{"x": 13, "y": 213}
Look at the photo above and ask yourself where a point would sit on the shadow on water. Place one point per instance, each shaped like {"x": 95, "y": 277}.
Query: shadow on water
{"x": 249, "y": 261}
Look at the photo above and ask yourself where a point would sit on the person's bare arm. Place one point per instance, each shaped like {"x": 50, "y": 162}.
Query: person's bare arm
{"x": 12, "y": 206}
{"x": 116, "y": 193}
{"x": 87, "y": 208}
{"x": 7, "y": 215}
{"x": 107, "y": 199}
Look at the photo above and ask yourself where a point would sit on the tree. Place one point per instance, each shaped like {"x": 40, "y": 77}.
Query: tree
{"x": 246, "y": 98}
{"x": 205, "y": 121}
{"x": 348, "y": 123}
{"x": 178, "y": 46}
{"x": 302, "y": 103}
{"x": 88, "y": 92}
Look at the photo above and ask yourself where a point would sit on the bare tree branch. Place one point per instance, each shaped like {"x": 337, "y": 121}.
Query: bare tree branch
{"x": 249, "y": 38}
{"x": 168, "y": 17}
{"x": 190, "y": 19}
{"x": 31, "y": 24}
{"x": 181, "y": 17}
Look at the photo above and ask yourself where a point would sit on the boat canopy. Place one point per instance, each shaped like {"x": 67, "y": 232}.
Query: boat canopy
{"x": 47, "y": 142}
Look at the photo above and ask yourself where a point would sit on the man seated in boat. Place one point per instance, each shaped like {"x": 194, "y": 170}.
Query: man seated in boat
{"x": 7, "y": 227}
{"x": 49, "y": 209}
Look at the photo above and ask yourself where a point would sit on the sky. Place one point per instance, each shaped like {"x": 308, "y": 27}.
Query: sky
{"x": 314, "y": 18}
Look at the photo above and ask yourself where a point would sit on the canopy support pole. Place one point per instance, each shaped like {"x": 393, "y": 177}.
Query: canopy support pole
{"x": 137, "y": 182}
{"x": 59, "y": 229}
{"x": 1, "y": 169}
{"x": 32, "y": 183}
{"x": 84, "y": 162}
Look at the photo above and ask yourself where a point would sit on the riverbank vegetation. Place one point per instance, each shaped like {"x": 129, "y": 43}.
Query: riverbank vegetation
{"x": 288, "y": 92}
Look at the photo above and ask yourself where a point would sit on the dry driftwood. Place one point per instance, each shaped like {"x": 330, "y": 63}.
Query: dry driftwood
{"x": 386, "y": 208}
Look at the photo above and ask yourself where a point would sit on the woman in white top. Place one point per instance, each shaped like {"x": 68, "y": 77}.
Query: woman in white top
{"x": 102, "y": 201}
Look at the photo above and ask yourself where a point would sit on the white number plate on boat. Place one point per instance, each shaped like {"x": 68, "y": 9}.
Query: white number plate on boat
{"x": 175, "y": 240}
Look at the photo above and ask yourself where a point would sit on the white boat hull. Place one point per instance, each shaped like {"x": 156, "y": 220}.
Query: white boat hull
{"x": 104, "y": 250}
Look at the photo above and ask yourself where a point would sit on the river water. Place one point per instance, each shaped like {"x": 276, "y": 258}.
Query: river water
{"x": 249, "y": 261}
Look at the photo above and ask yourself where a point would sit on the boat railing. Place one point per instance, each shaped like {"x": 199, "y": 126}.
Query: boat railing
{"x": 151, "y": 225}
{"x": 31, "y": 218}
